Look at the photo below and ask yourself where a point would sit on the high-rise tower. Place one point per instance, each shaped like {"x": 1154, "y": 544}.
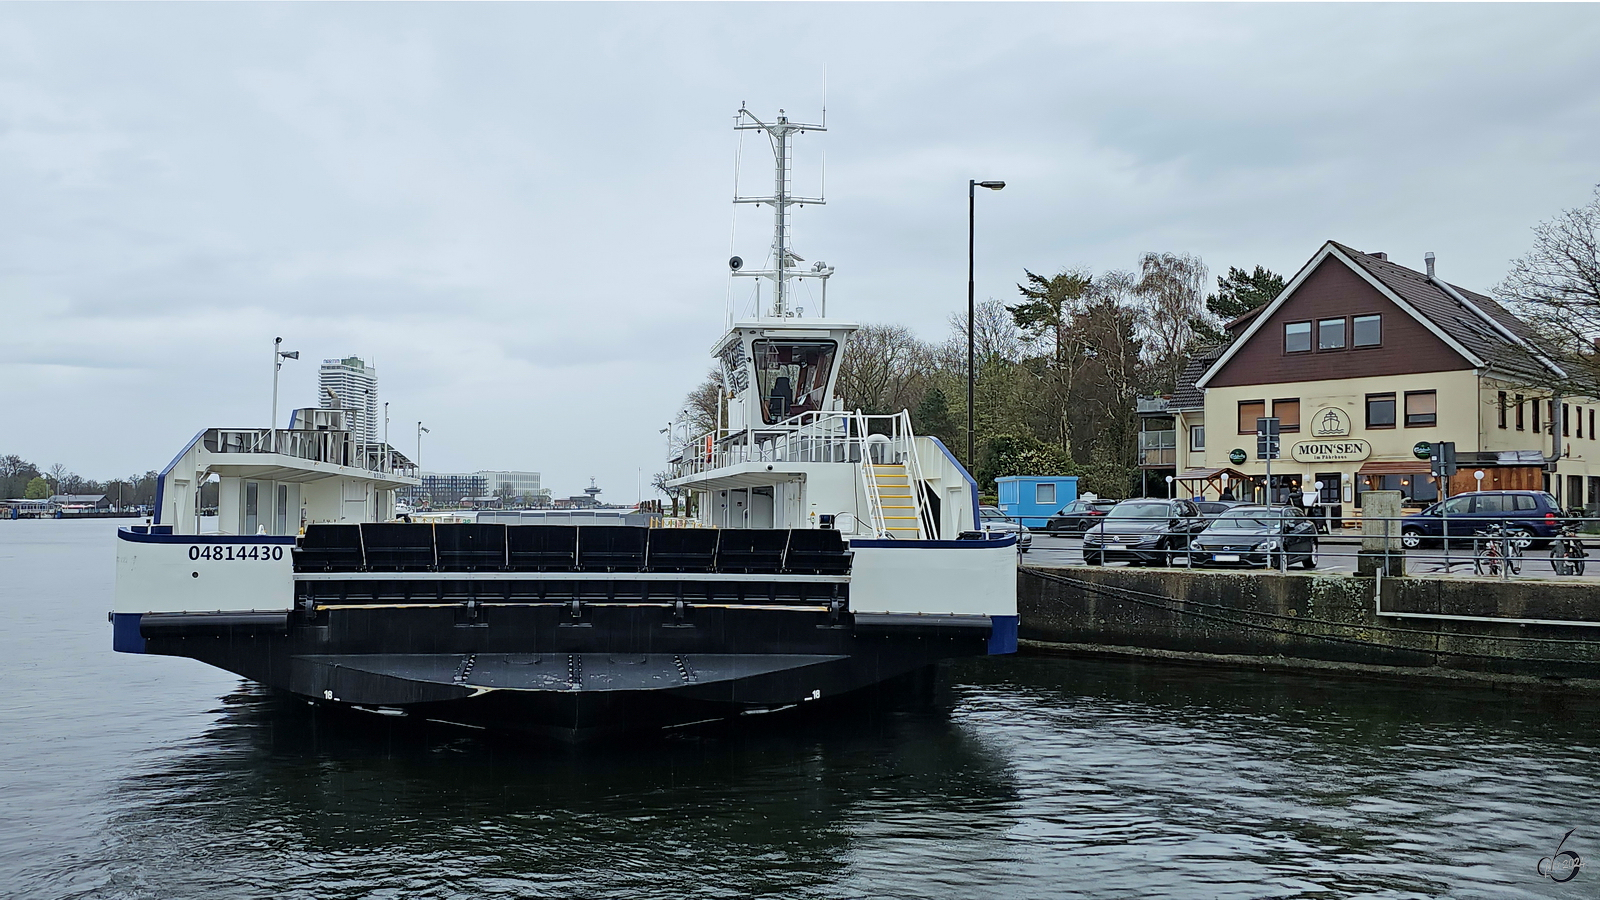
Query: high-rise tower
{"x": 355, "y": 386}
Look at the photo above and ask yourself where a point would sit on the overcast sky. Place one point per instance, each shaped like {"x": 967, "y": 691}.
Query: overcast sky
{"x": 521, "y": 212}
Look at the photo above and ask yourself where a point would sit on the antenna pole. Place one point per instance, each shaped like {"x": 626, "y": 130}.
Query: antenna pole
{"x": 779, "y": 132}
{"x": 780, "y": 239}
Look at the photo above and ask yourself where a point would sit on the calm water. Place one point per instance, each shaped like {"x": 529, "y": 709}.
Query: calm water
{"x": 147, "y": 777}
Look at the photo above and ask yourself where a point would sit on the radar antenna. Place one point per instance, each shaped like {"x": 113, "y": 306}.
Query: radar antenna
{"x": 779, "y": 133}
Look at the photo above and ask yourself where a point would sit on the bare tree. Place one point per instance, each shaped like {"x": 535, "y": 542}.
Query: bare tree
{"x": 58, "y": 474}
{"x": 1171, "y": 294}
{"x": 705, "y": 407}
{"x": 995, "y": 338}
{"x": 883, "y": 369}
{"x": 1555, "y": 288}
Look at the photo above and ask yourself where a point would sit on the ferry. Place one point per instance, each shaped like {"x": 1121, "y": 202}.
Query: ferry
{"x": 826, "y": 551}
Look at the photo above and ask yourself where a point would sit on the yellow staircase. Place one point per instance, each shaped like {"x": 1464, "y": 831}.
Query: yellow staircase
{"x": 897, "y": 501}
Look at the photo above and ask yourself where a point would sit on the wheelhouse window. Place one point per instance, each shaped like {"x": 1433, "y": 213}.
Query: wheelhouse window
{"x": 1366, "y": 331}
{"x": 1422, "y": 408}
{"x": 1380, "y": 410}
{"x": 1249, "y": 412}
{"x": 1288, "y": 413}
{"x": 1330, "y": 334}
{"x": 792, "y": 376}
{"x": 1297, "y": 337}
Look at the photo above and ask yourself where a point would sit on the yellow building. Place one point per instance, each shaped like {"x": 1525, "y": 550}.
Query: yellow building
{"x": 1362, "y": 360}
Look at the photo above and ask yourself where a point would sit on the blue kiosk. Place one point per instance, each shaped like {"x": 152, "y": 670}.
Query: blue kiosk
{"x": 1033, "y": 499}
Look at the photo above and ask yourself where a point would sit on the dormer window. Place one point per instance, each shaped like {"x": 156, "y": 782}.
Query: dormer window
{"x": 1297, "y": 337}
{"x": 1366, "y": 331}
{"x": 1330, "y": 334}
{"x": 792, "y": 376}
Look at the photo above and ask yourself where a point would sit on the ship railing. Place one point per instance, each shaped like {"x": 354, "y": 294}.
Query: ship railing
{"x": 850, "y": 437}
{"x": 339, "y": 448}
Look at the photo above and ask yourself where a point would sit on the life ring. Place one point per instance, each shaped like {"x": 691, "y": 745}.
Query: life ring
{"x": 710, "y": 445}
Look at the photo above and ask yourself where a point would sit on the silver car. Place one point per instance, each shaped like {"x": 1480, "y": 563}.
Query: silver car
{"x": 996, "y": 522}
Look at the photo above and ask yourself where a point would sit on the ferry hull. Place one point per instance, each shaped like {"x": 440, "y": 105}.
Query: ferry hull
{"x": 538, "y": 669}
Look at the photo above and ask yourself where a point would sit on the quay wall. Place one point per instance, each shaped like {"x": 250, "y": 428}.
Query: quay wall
{"x": 1317, "y": 621}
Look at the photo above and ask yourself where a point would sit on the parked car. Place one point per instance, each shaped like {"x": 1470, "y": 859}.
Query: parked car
{"x": 1077, "y": 516}
{"x": 1269, "y": 536}
{"x": 1211, "y": 508}
{"x": 996, "y": 522}
{"x": 1143, "y": 532}
{"x": 1526, "y": 516}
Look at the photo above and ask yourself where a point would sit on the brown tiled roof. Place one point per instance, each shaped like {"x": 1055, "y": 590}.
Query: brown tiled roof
{"x": 1465, "y": 326}
{"x": 1186, "y": 395}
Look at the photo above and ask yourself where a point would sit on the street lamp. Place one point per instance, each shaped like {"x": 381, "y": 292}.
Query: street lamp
{"x": 278, "y": 356}
{"x": 420, "y": 432}
{"x": 972, "y": 206}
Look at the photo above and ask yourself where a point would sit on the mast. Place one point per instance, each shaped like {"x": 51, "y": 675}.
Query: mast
{"x": 779, "y": 134}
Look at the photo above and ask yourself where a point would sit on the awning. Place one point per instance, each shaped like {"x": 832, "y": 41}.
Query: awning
{"x": 1209, "y": 474}
{"x": 1394, "y": 467}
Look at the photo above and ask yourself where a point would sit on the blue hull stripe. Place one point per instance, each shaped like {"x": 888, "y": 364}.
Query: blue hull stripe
{"x": 137, "y": 535}
{"x": 125, "y": 636}
{"x": 1003, "y": 634}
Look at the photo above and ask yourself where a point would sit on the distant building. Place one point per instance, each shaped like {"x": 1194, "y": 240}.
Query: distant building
{"x": 96, "y": 501}
{"x": 521, "y": 483}
{"x": 356, "y": 385}
{"x": 450, "y": 488}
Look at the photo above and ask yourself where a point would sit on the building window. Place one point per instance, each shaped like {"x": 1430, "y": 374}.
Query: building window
{"x": 1044, "y": 494}
{"x": 1422, "y": 408}
{"x": 1566, "y": 418}
{"x": 1579, "y": 417}
{"x": 1330, "y": 334}
{"x": 1520, "y": 425}
{"x": 1197, "y": 437}
{"x": 1380, "y": 410}
{"x": 1249, "y": 412}
{"x": 1591, "y": 423}
{"x": 1288, "y": 413}
{"x": 1500, "y": 402}
{"x": 1297, "y": 337}
{"x": 1535, "y": 404}
{"x": 1367, "y": 331}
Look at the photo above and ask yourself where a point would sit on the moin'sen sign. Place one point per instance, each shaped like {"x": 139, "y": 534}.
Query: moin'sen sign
{"x": 1344, "y": 450}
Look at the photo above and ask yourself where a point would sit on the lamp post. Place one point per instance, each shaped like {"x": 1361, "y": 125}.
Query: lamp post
{"x": 420, "y": 432}
{"x": 972, "y": 219}
{"x": 384, "y": 463}
{"x": 278, "y": 356}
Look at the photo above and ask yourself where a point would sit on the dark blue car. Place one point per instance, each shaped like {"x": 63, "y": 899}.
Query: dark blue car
{"x": 1526, "y": 515}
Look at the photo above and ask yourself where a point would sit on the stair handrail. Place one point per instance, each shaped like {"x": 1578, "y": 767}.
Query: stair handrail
{"x": 874, "y": 500}
{"x": 914, "y": 473}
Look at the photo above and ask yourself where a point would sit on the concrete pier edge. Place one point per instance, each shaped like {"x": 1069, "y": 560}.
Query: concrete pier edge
{"x": 1443, "y": 631}
{"x": 1355, "y": 671}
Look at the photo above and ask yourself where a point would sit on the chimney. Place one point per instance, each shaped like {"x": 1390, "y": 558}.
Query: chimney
{"x": 1428, "y": 258}
{"x": 1380, "y": 255}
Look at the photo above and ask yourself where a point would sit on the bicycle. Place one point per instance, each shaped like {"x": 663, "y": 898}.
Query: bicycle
{"x": 1567, "y": 554}
{"x": 1493, "y": 548}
